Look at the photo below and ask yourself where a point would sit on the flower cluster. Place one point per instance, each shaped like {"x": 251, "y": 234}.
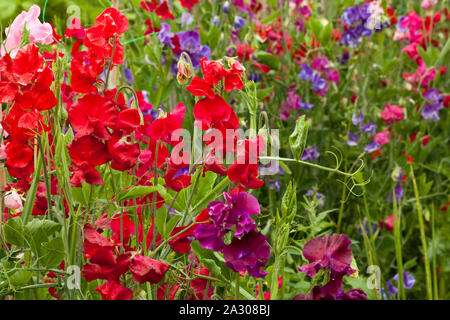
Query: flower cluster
{"x": 232, "y": 231}
{"x": 361, "y": 21}
{"x": 312, "y": 74}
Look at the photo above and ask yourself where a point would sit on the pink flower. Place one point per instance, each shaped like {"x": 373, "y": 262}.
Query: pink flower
{"x": 391, "y": 113}
{"x": 13, "y": 201}
{"x": 39, "y": 32}
{"x": 382, "y": 137}
{"x": 428, "y": 4}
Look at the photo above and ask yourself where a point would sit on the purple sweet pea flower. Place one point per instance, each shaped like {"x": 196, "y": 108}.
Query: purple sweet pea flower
{"x": 226, "y": 7}
{"x": 350, "y": 38}
{"x": 318, "y": 83}
{"x": 398, "y": 193}
{"x": 352, "y": 139}
{"x": 369, "y": 128}
{"x": 210, "y": 237}
{"x": 391, "y": 289}
{"x": 372, "y": 146}
{"x": 165, "y": 36}
{"x": 431, "y": 112}
{"x": 238, "y": 23}
{"x": 254, "y": 77}
{"x": 362, "y": 31}
{"x": 364, "y": 12}
{"x": 305, "y": 106}
{"x": 357, "y": 120}
{"x": 345, "y": 57}
{"x": 310, "y": 154}
{"x": 433, "y": 96}
{"x": 190, "y": 43}
{"x": 306, "y": 73}
{"x": 251, "y": 253}
{"x": 408, "y": 280}
{"x": 216, "y": 21}
{"x": 186, "y": 19}
{"x": 275, "y": 185}
{"x": 350, "y": 15}
{"x": 329, "y": 252}
{"x": 224, "y": 216}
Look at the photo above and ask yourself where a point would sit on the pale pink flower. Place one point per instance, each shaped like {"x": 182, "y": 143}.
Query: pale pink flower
{"x": 39, "y": 32}
{"x": 428, "y": 4}
{"x": 13, "y": 201}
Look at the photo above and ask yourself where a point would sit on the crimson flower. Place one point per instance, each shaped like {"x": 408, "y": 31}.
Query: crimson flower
{"x": 86, "y": 153}
{"x": 145, "y": 269}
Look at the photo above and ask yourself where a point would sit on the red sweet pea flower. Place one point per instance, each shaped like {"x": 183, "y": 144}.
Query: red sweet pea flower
{"x": 123, "y": 155}
{"x": 85, "y": 71}
{"x": 245, "y": 169}
{"x": 122, "y": 226}
{"x": 174, "y": 180}
{"x": 107, "y": 271}
{"x": 163, "y": 11}
{"x": 91, "y": 114}
{"x": 97, "y": 248}
{"x": 213, "y": 71}
{"x": 75, "y": 30}
{"x": 147, "y": 269}
{"x": 244, "y": 50}
{"x": 86, "y": 153}
{"x": 212, "y": 112}
{"x": 188, "y": 4}
{"x": 112, "y": 21}
{"x": 149, "y": 5}
{"x": 26, "y": 64}
{"x": 163, "y": 128}
{"x": 128, "y": 120}
{"x": 182, "y": 242}
{"x": 200, "y": 87}
{"x": 19, "y": 159}
{"x": 147, "y": 158}
{"x": 113, "y": 290}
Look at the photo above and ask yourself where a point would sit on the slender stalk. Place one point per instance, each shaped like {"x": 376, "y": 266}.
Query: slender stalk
{"x": 422, "y": 236}
{"x": 237, "y": 295}
{"x": 398, "y": 248}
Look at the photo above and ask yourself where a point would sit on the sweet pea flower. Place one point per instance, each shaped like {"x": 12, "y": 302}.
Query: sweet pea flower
{"x": 330, "y": 252}
{"x": 391, "y": 113}
{"x": 382, "y": 137}
{"x": 13, "y": 201}
{"x": 39, "y": 32}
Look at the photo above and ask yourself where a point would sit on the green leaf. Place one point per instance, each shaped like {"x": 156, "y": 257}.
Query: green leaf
{"x": 14, "y": 232}
{"x": 40, "y": 231}
{"x": 139, "y": 191}
{"x": 268, "y": 59}
{"x": 213, "y": 36}
{"x": 160, "y": 221}
{"x": 218, "y": 267}
{"x": 297, "y": 139}
{"x": 289, "y": 201}
{"x": 203, "y": 185}
{"x": 52, "y": 253}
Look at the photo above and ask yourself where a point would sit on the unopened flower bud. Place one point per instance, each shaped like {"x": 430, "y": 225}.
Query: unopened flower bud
{"x": 185, "y": 69}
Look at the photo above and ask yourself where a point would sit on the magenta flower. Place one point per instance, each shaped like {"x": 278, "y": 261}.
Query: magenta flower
{"x": 391, "y": 113}
{"x": 330, "y": 252}
{"x": 251, "y": 253}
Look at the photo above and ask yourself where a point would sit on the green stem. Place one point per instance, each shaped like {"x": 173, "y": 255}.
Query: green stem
{"x": 422, "y": 236}
{"x": 398, "y": 247}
